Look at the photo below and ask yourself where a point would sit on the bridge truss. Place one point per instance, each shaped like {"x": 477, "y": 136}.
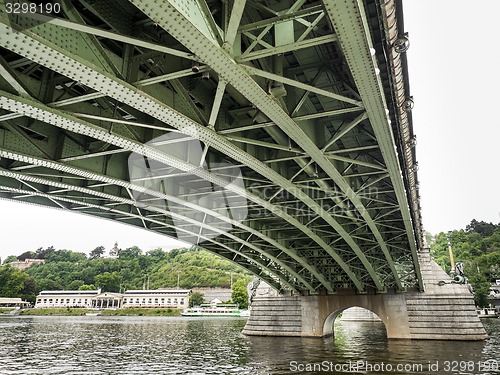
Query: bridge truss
{"x": 307, "y": 100}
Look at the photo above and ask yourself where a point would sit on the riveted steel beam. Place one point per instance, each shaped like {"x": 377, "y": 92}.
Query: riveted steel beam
{"x": 77, "y": 69}
{"x": 72, "y": 170}
{"x": 281, "y": 18}
{"x": 7, "y": 73}
{"x": 234, "y": 22}
{"x": 270, "y": 50}
{"x": 111, "y": 198}
{"x": 109, "y": 35}
{"x": 36, "y": 110}
{"x": 350, "y": 24}
{"x": 85, "y": 205}
{"x": 300, "y": 85}
{"x": 173, "y": 21}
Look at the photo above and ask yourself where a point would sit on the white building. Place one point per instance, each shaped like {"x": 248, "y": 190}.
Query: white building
{"x": 13, "y": 302}
{"x": 173, "y": 298}
{"x": 66, "y": 298}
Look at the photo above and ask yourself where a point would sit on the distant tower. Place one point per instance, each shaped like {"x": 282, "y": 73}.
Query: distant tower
{"x": 114, "y": 251}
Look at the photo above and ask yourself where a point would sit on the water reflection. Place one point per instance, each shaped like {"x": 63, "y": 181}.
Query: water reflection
{"x": 160, "y": 345}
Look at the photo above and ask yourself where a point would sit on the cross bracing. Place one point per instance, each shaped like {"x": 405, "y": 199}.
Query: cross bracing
{"x": 305, "y": 100}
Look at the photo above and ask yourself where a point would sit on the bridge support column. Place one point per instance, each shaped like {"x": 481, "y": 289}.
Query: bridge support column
{"x": 313, "y": 316}
{"x": 440, "y": 313}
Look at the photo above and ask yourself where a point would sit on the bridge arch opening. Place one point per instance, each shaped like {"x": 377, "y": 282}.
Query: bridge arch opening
{"x": 354, "y": 322}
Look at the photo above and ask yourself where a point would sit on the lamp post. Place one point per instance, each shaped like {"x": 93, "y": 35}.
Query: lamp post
{"x": 452, "y": 261}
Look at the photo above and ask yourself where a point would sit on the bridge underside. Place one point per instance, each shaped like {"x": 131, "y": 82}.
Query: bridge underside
{"x": 276, "y": 134}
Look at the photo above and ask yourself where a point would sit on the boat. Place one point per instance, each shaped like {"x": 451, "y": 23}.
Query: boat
{"x": 216, "y": 310}
{"x": 487, "y": 312}
{"x": 95, "y": 313}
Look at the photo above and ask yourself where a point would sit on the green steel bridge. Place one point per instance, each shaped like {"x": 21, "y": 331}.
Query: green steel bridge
{"x": 276, "y": 134}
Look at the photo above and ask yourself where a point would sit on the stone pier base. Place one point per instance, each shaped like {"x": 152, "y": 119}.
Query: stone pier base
{"x": 440, "y": 313}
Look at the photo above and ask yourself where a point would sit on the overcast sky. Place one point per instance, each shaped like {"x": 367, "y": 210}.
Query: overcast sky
{"x": 455, "y": 80}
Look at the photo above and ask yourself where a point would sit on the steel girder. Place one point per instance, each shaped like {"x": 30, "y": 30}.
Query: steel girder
{"x": 350, "y": 21}
{"x": 322, "y": 226}
{"x": 170, "y": 15}
{"x": 101, "y": 81}
{"x": 32, "y": 109}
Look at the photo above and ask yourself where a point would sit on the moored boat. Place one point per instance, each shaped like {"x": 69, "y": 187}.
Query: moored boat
{"x": 219, "y": 310}
{"x": 94, "y": 313}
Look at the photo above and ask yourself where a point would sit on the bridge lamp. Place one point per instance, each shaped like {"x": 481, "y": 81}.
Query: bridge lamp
{"x": 452, "y": 261}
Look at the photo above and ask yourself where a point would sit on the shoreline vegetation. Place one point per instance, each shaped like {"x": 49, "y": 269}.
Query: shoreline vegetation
{"x": 81, "y": 312}
{"x": 126, "y": 269}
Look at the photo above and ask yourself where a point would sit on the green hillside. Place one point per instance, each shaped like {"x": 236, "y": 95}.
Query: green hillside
{"x": 133, "y": 269}
{"x": 478, "y": 247}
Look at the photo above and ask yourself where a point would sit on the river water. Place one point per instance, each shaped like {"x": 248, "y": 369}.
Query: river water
{"x": 163, "y": 345}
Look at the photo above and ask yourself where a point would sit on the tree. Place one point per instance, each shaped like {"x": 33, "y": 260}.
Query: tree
{"x": 87, "y": 287}
{"x": 43, "y": 253}
{"x": 240, "y": 294}
{"x": 130, "y": 253}
{"x": 97, "y": 252}
{"x": 26, "y": 255}
{"x": 10, "y": 259}
{"x": 48, "y": 284}
{"x": 108, "y": 282}
{"x": 196, "y": 299}
{"x": 65, "y": 256}
{"x": 481, "y": 288}
{"x": 16, "y": 283}
{"x": 157, "y": 255}
{"x": 75, "y": 285}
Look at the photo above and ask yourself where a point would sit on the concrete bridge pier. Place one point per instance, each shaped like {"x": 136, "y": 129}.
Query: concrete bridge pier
{"x": 313, "y": 316}
{"x": 440, "y": 313}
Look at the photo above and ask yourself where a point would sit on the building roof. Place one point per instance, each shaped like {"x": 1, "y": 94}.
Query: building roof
{"x": 4, "y": 300}
{"x": 158, "y": 291}
{"x": 69, "y": 292}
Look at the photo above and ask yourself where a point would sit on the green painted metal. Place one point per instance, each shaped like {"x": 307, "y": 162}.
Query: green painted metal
{"x": 327, "y": 205}
{"x": 350, "y": 18}
{"x": 32, "y": 109}
{"x": 106, "y": 83}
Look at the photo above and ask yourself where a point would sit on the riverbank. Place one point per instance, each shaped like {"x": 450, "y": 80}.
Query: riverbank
{"x": 118, "y": 312}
